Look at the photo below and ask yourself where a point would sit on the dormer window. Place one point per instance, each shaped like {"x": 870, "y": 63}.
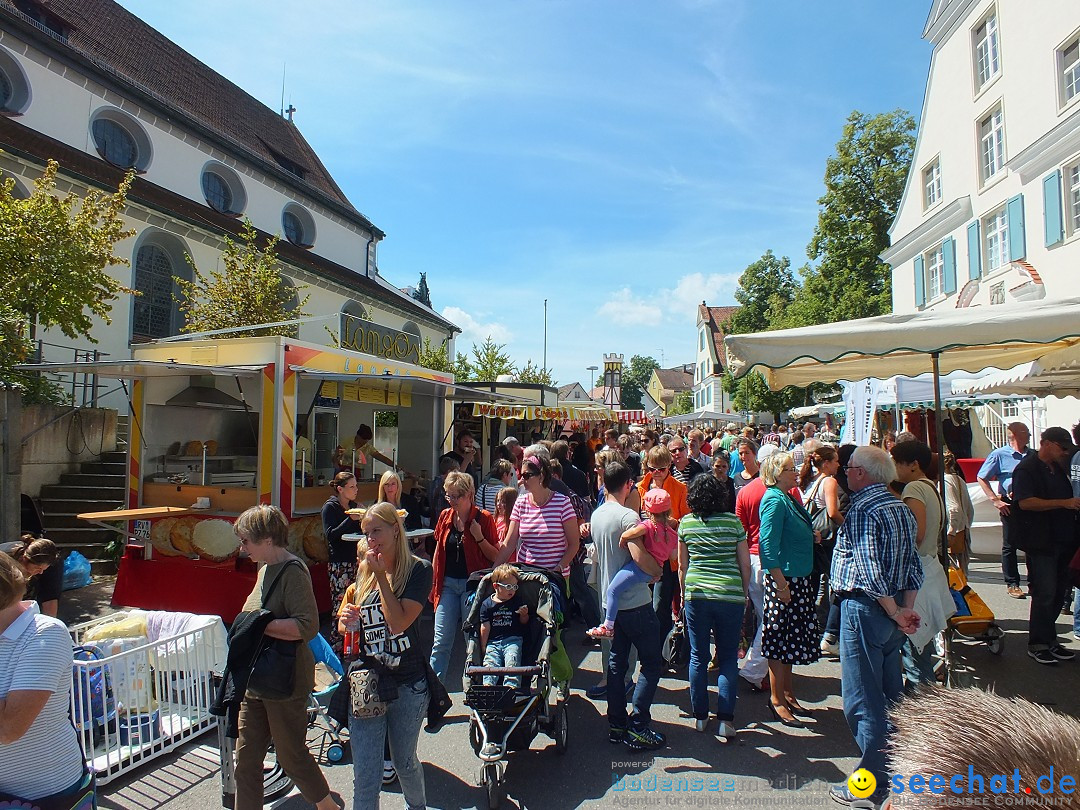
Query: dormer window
{"x": 291, "y": 166}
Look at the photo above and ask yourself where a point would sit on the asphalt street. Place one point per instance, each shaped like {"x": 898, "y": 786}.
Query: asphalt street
{"x": 767, "y": 766}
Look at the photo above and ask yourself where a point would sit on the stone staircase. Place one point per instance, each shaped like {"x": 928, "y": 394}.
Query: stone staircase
{"x": 99, "y": 486}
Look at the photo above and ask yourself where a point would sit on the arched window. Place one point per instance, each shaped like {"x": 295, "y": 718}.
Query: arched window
{"x": 6, "y": 91}
{"x": 115, "y": 143}
{"x": 14, "y": 88}
{"x": 354, "y": 309}
{"x": 217, "y": 192}
{"x": 156, "y": 312}
{"x": 411, "y": 328}
{"x": 223, "y": 189}
{"x": 298, "y": 225}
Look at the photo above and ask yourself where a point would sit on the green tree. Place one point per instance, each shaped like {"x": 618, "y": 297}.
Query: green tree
{"x": 864, "y": 181}
{"x": 463, "y": 369}
{"x": 54, "y": 252}
{"x": 423, "y": 294}
{"x": 682, "y": 403}
{"x": 490, "y": 360}
{"x": 535, "y": 375}
{"x": 635, "y": 378}
{"x": 249, "y": 291}
{"x": 765, "y": 292}
{"x": 436, "y": 358}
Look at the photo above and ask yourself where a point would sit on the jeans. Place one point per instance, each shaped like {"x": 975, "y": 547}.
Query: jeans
{"x": 755, "y": 667}
{"x": 1048, "y": 579}
{"x": 401, "y": 725}
{"x": 664, "y": 599}
{"x": 704, "y": 617}
{"x": 503, "y": 652}
{"x": 583, "y": 595}
{"x": 638, "y": 627}
{"x": 918, "y": 666}
{"x": 832, "y": 622}
{"x": 626, "y": 576}
{"x": 448, "y": 617}
{"x": 1076, "y": 613}
{"x": 605, "y": 649}
{"x": 1010, "y": 566}
{"x": 870, "y": 677}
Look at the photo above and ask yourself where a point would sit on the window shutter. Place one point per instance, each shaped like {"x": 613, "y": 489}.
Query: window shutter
{"x": 1017, "y": 242}
{"x": 974, "y": 251}
{"x": 920, "y": 283}
{"x": 948, "y": 257}
{"x": 1053, "y": 223}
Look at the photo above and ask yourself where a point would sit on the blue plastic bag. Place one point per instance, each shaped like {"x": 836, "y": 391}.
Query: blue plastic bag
{"x": 76, "y": 571}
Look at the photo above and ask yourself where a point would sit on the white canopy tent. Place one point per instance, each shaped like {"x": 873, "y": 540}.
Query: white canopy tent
{"x": 1055, "y": 374}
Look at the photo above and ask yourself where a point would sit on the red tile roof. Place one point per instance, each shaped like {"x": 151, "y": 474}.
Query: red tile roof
{"x": 715, "y": 318}
{"x": 21, "y": 141}
{"x": 118, "y": 48}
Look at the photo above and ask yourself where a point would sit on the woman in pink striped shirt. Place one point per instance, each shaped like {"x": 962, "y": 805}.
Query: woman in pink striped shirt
{"x": 543, "y": 527}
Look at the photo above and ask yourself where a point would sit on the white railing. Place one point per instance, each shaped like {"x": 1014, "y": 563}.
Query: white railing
{"x": 996, "y": 418}
{"x": 133, "y": 700}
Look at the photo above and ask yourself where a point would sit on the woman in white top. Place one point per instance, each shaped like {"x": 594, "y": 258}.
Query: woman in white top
{"x": 961, "y": 512}
{"x": 39, "y": 753}
{"x": 934, "y": 602}
{"x": 817, "y": 480}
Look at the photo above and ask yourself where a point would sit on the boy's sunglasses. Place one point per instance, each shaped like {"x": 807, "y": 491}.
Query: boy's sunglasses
{"x": 512, "y": 587}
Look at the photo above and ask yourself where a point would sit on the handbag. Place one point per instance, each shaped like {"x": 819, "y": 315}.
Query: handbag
{"x": 826, "y": 526}
{"x": 364, "y": 698}
{"x": 439, "y": 701}
{"x": 676, "y": 648}
{"x": 82, "y": 797}
{"x": 273, "y": 672}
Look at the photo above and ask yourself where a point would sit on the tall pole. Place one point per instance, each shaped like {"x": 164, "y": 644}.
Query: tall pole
{"x": 545, "y": 334}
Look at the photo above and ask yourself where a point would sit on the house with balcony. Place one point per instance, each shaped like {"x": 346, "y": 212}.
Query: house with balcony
{"x": 990, "y": 215}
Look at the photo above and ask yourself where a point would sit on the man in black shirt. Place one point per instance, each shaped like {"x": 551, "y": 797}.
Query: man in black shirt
{"x": 1043, "y": 521}
{"x": 571, "y": 475}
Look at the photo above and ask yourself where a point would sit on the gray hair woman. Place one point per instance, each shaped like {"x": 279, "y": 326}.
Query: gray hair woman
{"x": 786, "y": 545}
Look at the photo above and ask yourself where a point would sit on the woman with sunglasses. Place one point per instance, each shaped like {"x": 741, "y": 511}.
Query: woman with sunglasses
{"x": 543, "y": 526}
{"x": 466, "y": 540}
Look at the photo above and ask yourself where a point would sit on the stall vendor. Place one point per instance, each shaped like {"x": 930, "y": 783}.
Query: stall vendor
{"x": 365, "y": 452}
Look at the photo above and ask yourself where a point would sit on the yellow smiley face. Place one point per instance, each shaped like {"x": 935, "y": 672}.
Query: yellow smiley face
{"x": 861, "y": 783}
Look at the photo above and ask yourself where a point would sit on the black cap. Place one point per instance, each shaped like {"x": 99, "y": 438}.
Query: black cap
{"x": 1059, "y": 436}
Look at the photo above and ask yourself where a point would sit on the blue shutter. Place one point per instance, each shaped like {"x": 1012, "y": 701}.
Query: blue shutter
{"x": 1053, "y": 223}
{"x": 948, "y": 256}
{"x": 920, "y": 282}
{"x": 1017, "y": 242}
{"x": 974, "y": 251}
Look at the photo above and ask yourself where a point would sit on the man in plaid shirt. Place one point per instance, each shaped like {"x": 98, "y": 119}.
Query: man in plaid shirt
{"x": 876, "y": 572}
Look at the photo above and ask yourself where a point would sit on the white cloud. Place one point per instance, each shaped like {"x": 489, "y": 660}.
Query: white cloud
{"x": 692, "y": 289}
{"x": 476, "y": 331}
{"x": 627, "y": 309}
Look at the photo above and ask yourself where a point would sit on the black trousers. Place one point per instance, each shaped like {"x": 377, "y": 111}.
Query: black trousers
{"x": 1048, "y": 579}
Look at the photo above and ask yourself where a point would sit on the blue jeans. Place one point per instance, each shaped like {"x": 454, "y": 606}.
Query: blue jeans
{"x": 1076, "y": 612}
{"x": 703, "y": 618}
{"x": 870, "y": 677}
{"x": 401, "y": 726}
{"x": 918, "y": 666}
{"x": 664, "y": 599}
{"x": 503, "y": 652}
{"x": 448, "y": 617}
{"x": 638, "y": 627}
{"x": 626, "y": 576}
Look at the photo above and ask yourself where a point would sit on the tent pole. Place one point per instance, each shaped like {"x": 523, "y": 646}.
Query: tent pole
{"x": 943, "y": 538}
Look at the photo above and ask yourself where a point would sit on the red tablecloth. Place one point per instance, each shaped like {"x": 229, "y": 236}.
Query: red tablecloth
{"x": 197, "y": 586}
{"x": 970, "y": 466}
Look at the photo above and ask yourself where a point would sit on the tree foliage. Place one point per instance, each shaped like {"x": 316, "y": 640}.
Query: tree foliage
{"x": 436, "y": 358}
{"x": 54, "y": 252}
{"x": 535, "y": 375}
{"x": 683, "y": 402}
{"x": 490, "y": 360}
{"x": 423, "y": 294}
{"x": 248, "y": 291}
{"x": 864, "y": 181}
{"x": 635, "y": 379}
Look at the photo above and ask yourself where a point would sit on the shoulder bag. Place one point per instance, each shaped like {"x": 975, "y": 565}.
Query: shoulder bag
{"x": 273, "y": 673}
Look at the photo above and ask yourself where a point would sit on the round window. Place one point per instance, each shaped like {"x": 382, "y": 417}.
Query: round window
{"x": 217, "y": 192}
{"x": 5, "y": 91}
{"x": 294, "y": 228}
{"x": 115, "y": 143}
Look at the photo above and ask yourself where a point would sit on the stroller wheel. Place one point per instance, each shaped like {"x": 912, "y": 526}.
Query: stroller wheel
{"x": 474, "y": 736}
{"x": 996, "y": 645}
{"x": 559, "y": 728}
{"x": 495, "y": 790}
{"x": 335, "y": 752}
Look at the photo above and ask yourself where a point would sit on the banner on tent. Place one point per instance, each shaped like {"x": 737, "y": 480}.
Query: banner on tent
{"x": 530, "y": 412}
{"x": 861, "y": 399}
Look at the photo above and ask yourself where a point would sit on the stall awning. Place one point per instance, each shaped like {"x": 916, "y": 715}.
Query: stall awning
{"x": 406, "y": 383}
{"x": 631, "y": 417}
{"x": 967, "y": 339}
{"x": 140, "y": 369}
{"x": 542, "y": 412}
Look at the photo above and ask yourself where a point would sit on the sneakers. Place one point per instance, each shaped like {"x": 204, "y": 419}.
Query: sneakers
{"x": 644, "y": 739}
{"x": 700, "y": 725}
{"x": 725, "y": 732}
{"x": 1043, "y": 656}
{"x": 1062, "y": 653}
{"x": 1015, "y": 592}
{"x": 389, "y": 775}
{"x": 600, "y": 631}
{"x": 841, "y": 795}
{"x": 616, "y": 734}
{"x": 830, "y": 647}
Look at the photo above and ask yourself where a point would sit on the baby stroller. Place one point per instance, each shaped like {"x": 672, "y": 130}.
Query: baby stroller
{"x": 331, "y": 742}
{"x": 503, "y": 718}
{"x": 973, "y": 619}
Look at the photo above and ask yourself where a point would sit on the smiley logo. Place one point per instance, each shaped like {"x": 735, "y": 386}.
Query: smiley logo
{"x": 861, "y": 783}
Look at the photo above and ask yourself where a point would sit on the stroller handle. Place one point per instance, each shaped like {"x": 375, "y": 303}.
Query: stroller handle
{"x": 470, "y": 671}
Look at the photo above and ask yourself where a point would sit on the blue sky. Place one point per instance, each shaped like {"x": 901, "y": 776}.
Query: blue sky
{"x": 625, "y": 160}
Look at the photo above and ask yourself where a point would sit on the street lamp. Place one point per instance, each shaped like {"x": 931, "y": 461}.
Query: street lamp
{"x": 592, "y": 379}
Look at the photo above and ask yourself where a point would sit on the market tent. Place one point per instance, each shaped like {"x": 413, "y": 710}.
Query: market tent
{"x": 965, "y": 339}
{"x": 702, "y": 415}
{"x": 1055, "y": 374}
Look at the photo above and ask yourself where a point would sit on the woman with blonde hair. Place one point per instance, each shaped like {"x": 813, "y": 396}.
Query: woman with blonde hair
{"x": 383, "y": 606}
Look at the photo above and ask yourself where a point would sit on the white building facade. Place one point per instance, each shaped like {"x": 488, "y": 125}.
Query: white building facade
{"x": 90, "y": 85}
{"x": 990, "y": 215}
{"x": 709, "y": 391}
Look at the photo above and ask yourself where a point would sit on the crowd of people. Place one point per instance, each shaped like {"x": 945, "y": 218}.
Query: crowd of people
{"x": 746, "y": 538}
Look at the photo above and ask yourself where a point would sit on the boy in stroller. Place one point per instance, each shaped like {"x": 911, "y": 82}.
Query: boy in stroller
{"x": 503, "y": 617}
